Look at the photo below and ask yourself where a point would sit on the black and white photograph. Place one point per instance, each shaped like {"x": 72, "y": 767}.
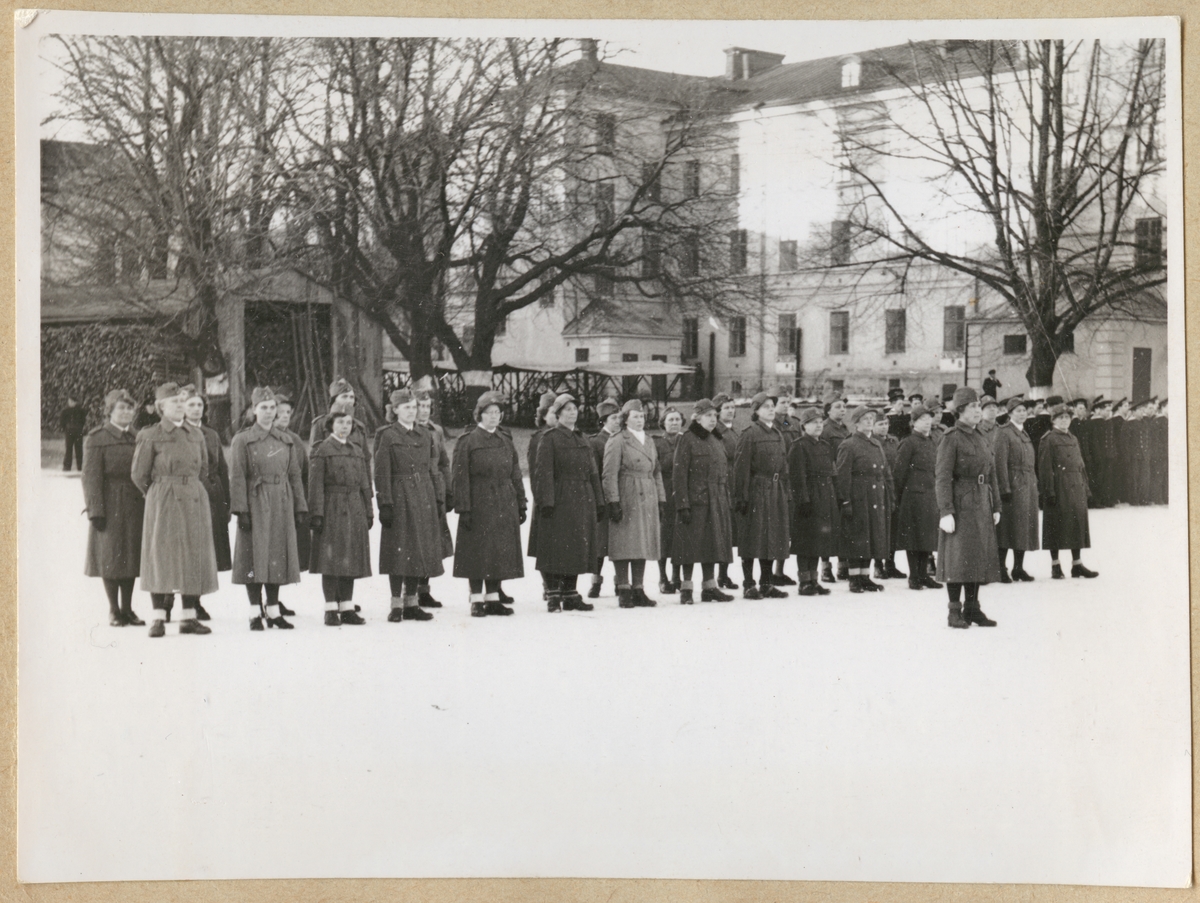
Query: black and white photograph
{"x": 734, "y": 450}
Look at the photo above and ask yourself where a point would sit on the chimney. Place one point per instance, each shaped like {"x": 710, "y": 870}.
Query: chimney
{"x": 741, "y": 63}
{"x": 588, "y": 48}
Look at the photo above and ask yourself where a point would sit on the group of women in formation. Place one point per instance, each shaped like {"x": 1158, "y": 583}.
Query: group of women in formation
{"x": 813, "y": 482}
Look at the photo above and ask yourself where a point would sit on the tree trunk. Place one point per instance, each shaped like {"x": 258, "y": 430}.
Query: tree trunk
{"x": 1042, "y": 361}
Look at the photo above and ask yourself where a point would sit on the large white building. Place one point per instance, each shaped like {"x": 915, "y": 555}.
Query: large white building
{"x": 816, "y": 318}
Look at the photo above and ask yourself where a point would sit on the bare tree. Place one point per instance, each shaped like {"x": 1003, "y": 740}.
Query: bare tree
{"x": 441, "y": 185}
{"x": 1052, "y": 147}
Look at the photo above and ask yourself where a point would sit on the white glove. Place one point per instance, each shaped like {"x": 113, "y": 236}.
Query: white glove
{"x": 995, "y": 517}
{"x": 947, "y": 523}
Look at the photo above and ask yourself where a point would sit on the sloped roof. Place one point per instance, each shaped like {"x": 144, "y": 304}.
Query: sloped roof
{"x": 112, "y": 303}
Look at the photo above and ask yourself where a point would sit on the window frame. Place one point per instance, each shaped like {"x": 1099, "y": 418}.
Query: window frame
{"x": 691, "y": 337}
{"x": 954, "y": 317}
{"x": 737, "y": 336}
{"x": 839, "y": 325}
{"x": 895, "y": 331}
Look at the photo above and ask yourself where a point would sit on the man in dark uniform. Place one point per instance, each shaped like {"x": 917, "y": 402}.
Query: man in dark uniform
{"x": 728, "y": 436}
{"x": 609, "y": 414}
{"x": 833, "y": 432}
{"x": 1098, "y": 453}
{"x": 1039, "y": 424}
{"x": 899, "y": 422}
{"x": 991, "y": 385}
{"x": 73, "y": 421}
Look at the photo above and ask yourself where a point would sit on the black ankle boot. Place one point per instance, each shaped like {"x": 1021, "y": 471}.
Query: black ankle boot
{"x": 1081, "y": 570}
{"x": 1056, "y": 571}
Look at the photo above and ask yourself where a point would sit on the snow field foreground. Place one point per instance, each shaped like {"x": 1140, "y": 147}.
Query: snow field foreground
{"x": 851, "y": 737}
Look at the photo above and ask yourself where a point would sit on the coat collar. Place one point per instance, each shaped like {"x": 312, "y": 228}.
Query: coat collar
{"x": 117, "y": 432}
{"x": 698, "y": 431}
{"x": 630, "y": 440}
{"x": 256, "y": 433}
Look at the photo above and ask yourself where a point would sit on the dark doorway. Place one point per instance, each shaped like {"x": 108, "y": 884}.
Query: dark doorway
{"x": 1141, "y": 374}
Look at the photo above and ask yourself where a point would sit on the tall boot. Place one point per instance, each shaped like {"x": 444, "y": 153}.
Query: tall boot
{"x": 972, "y": 612}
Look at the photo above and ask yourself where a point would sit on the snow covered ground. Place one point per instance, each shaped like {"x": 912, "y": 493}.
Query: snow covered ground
{"x": 850, "y": 737}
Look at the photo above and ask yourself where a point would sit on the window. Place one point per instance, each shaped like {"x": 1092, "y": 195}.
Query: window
{"x": 737, "y": 337}
{"x": 1148, "y": 246}
{"x": 839, "y": 245}
{"x": 650, "y": 179}
{"x": 787, "y": 257}
{"x": 691, "y": 337}
{"x": 851, "y": 73}
{"x": 839, "y": 332}
{"x": 689, "y": 264}
{"x": 691, "y": 179}
{"x": 735, "y": 387}
{"x": 606, "y": 133}
{"x": 1015, "y": 344}
{"x": 651, "y": 254}
{"x": 629, "y": 384}
{"x": 893, "y": 384}
{"x": 954, "y": 330}
{"x": 787, "y": 335}
{"x": 735, "y": 173}
{"x": 737, "y": 251}
{"x": 581, "y": 355}
{"x": 837, "y": 387}
{"x": 604, "y": 205}
{"x": 948, "y": 390}
{"x": 895, "y": 337}
{"x": 658, "y": 383}
{"x": 602, "y": 283}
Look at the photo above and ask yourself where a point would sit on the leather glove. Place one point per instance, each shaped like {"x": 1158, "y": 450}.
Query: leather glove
{"x": 1050, "y": 501}
{"x": 464, "y": 520}
{"x": 385, "y": 516}
{"x": 1006, "y": 497}
{"x": 685, "y": 515}
{"x": 243, "y": 521}
{"x": 547, "y": 512}
{"x": 301, "y": 520}
{"x": 317, "y": 523}
{"x": 522, "y": 515}
{"x": 743, "y": 508}
{"x": 99, "y": 523}
{"x": 995, "y": 518}
{"x": 614, "y": 512}
{"x": 946, "y": 524}
{"x": 601, "y": 513}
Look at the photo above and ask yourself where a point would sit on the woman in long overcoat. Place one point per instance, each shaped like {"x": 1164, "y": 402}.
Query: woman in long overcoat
{"x": 410, "y": 508}
{"x": 170, "y": 467}
{"x": 267, "y": 497}
{"x": 547, "y": 421}
{"x": 633, "y": 489}
{"x": 1017, "y": 479}
{"x": 217, "y": 485}
{"x": 1063, "y": 486}
{"x": 729, "y": 436}
{"x": 425, "y": 420}
{"x": 115, "y": 508}
{"x": 917, "y": 514}
{"x": 815, "y": 525}
{"x": 340, "y": 514}
{"x": 567, "y": 491}
{"x": 704, "y": 520}
{"x": 865, "y": 500}
{"x": 491, "y": 507}
{"x": 665, "y": 445}
{"x": 762, "y": 495}
{"x": 968, "y": 498}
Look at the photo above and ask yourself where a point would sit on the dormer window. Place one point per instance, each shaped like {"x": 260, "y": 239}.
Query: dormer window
{"x": 851, "y": 73}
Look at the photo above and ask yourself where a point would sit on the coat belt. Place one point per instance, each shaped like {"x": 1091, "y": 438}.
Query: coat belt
{"x": 980, "y": 479}
{"x": 337, "y": 487}
{"x": 269, "y": 478}
{"x": 175, "y": 478}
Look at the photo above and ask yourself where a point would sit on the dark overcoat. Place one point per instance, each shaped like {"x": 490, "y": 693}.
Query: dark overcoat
{"x": 339, "y": 491}
{"x": 967, "y": 488}
{"x": 834, "y": 433}
{"x": 665, "y": 445}
{"x": 761, "y": 480}
{"x": 568, "y": 481}
{"x": 729, "y": 437}
{"x": 447, "y": 482}
{"x": 170, "y": 467}
{"x": 488, "y": 486}
{"x": 1136, "y": 457}
{"x": 108, "y": 492}
{"x": 1159, "y": 457}
{"x": 1016, "y": 476}
{"x": 217, "y": 488}
{"x": 812, "y": 471}
{"x": 265, "y": 481}
{"x": 862, "y": 479}
{"x": 1118, "y": 471}
{"x": 406, "y": 480}
{"x": 700, "y": 476}
{"x": 1098, "y": 459}
{"x": 631, "y": 476}
{"x": 913, "y": 477}
{"x": 599, "y": 442}
{"x": 531, "y": 461}
{"x": 1062, "y": 483}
